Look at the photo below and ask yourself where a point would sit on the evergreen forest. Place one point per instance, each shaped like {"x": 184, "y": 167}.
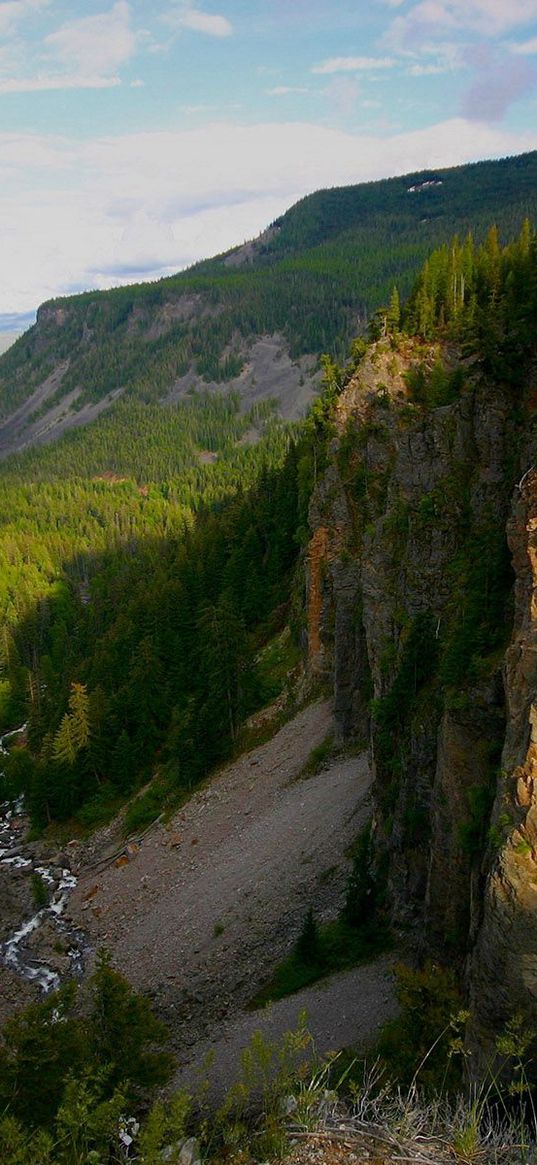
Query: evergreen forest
{"x": 147, "y": 560}
{"x": 138, "y": 582}
{"x": 315, "y": 278}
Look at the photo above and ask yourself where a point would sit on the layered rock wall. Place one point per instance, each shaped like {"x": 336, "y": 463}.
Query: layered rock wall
{"x": 410, "y": 617}
{"x": 502, "y": 971}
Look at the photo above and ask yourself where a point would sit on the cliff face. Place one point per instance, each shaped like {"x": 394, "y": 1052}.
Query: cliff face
{"x": 503, "y": 965}
{"x": 411, "y": 619}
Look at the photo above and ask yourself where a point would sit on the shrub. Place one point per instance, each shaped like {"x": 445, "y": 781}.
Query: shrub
{"x": 422, "y": 1044}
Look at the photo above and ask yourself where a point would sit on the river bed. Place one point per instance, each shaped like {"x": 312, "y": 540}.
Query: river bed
{"x": 45, "y": 947}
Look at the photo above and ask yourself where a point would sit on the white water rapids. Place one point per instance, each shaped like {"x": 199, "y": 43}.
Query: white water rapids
{"x": 59, "y": 880}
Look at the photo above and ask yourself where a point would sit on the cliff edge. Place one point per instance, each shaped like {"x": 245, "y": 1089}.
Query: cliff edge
{"x": 422, "y": 617}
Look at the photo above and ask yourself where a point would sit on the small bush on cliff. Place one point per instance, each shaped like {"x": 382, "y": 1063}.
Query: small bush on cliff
{"x": 125, "y": 1034}
{"x": 361, "y": 899}
{"x": 40, "y": 893}
{"x": 479, "y": 611}
{"x": 318, "y": 757}
{"x": 423, "y": 1044}
{"x": 436, "y": 386}
{"x": 338, "y": 947}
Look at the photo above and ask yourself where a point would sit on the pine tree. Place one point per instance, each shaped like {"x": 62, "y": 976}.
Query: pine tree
{"x": 308, "y": 947}
{"x": 73, "y": 733}
{"x": 393, "y": 315}
{"x": 361, "y": 890}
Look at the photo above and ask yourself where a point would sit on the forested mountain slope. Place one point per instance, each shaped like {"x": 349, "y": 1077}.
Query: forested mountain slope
{"x": 394, "y": 536}
{"x": 258, "y": 317}
{"x": 132, "y": 616}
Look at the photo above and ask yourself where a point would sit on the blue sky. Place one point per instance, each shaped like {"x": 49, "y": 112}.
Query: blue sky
{"x": 140, "y": 135}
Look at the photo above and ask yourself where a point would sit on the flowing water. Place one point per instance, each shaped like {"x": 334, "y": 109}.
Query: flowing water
{"x": 17, "y": 952}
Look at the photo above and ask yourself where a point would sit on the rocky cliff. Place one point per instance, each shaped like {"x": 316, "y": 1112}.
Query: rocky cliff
{"x": 502, "y": 969}
{"x": 422, "y": 617}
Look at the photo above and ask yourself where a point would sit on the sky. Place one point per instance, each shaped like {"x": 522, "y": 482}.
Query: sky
{"x": 137, "y": 136}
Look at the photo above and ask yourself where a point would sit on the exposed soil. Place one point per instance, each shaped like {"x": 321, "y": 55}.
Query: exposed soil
{"x": 19, "y": 431}
{"x": 209, "y": 903}
{"x": 12, "y": 427}
{"x": 200, "y": 911}
{"x": 268, "y": 373}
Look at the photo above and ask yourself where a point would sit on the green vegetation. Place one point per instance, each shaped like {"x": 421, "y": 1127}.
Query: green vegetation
{"x": 80, "y": 1089}
{"x": 357, "y": 936}
{"x": 318, "y": 758}
{"x": 436, "y": 386}
{"x": 40, "y": 893}
{"x": 144, "y": 599}
{"x": 66, "y": 1078}
{"x": 468, "y": 333}
{"x": 364, "y": 888}
{"x": 484, "y": 297}
{"x": 424, "y": 1042}
{"x": 134, "y": 615}
{"x": 276, "y": 663}
{"x": 161, "y": 795}
{"x": 330, "y": 262}
{"x": 321, "y": 951}
{"x": 392, "y": 714}
{"x": 147, "y": 561}
{"x": 148, "y": 602}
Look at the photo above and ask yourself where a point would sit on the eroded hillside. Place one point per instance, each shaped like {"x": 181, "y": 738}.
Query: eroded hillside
{"x": 255, "y": 319}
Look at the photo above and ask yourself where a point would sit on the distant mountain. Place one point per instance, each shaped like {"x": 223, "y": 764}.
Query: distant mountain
{"x": 256, "y": 318}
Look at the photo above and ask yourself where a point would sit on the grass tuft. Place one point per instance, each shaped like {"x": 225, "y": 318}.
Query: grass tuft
{"x": 338, "y": 947}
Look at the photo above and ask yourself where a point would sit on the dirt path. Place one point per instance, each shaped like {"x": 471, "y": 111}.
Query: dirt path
{"x": 211, "y": 902}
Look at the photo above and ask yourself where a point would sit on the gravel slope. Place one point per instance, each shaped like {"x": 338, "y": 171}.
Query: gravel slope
{"x": 346, "y": 1010}
{"x": 211, "y": 902}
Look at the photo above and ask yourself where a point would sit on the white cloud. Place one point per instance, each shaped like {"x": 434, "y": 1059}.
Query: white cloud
{"x": 98, "y": 213}
{"x": 343, "y": 93}
{"x": 489, "y": 18}
{"x": 81, "y": 54}
{"x": 525, "y": 48}
{"x": 13, "y": 11}
{"x": 352, "y": 64}
{"x": 95, "y": 45}
{"x": 49, "y": 82}
{"x": 198, "y": 21}
{"x": 27, "y": 158}
{"x": 427, "y": 70}
{"x": 283, "y": 90}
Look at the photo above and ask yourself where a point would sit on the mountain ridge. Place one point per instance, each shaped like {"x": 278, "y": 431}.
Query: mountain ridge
{"x": 307, "y": 285}
{"x": 150, "y": 618}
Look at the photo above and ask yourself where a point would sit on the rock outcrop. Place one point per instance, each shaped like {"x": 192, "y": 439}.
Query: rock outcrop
{"x": 410, "y": 618}
{"x": 503, "y": 965}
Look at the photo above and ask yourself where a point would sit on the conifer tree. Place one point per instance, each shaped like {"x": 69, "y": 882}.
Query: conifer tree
{"x": 73, "y": 733}
{"x": 393, "y": 315}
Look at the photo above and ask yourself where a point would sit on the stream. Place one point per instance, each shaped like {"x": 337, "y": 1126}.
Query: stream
{"x": 64, "y": 945}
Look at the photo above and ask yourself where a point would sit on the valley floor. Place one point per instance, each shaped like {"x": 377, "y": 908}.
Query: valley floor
{"x": 211, "y": 901}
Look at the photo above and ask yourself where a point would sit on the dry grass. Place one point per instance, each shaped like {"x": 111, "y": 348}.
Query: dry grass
{"x": 385, "y": 1126}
